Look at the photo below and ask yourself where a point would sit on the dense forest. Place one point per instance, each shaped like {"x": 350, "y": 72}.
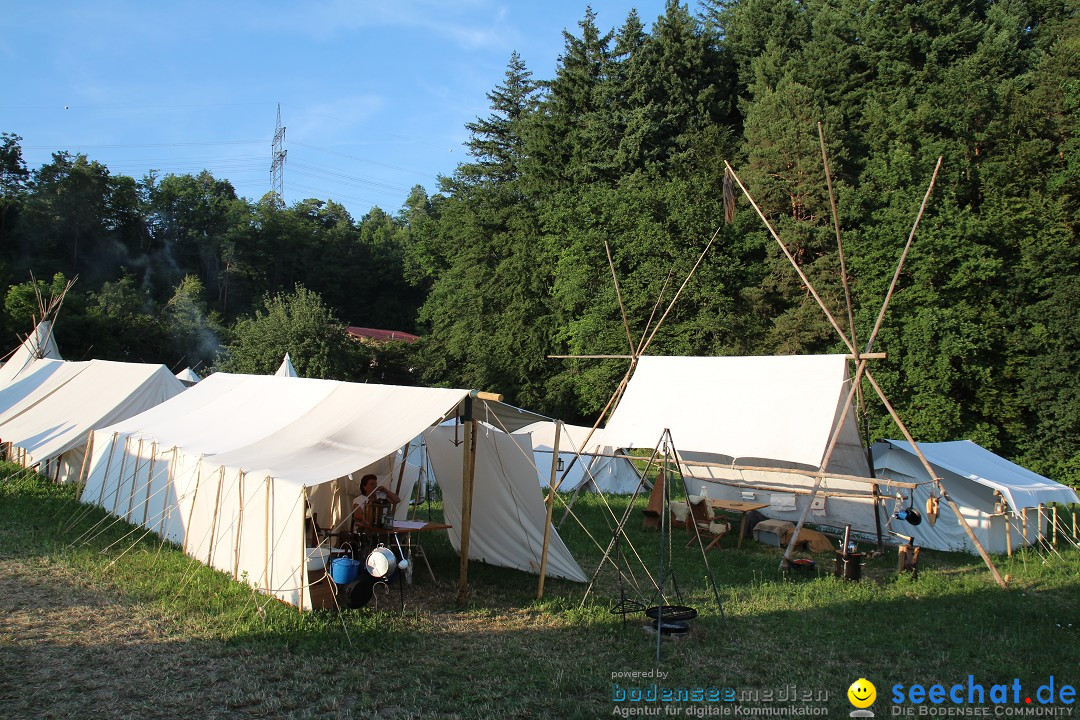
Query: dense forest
{"x": 505, "y": 264}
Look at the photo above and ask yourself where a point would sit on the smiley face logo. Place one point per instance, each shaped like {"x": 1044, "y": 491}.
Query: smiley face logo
{"x": 862, "y": 693}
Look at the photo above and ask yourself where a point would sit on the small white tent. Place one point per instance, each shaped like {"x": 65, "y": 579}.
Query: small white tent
{"x": 48, "y": 413}
{"x": 592, "y": 464}
{"x": 40, "y": 344}
{"x": 990, "y": 491}
{"x": 286, "y": 369}
{"x": 761, "y": 425}
{"x": 228, "y": 469}
{"x": 188, "y": 376}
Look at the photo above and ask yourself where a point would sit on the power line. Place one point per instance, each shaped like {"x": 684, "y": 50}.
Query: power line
{"x": 364, "y": 160}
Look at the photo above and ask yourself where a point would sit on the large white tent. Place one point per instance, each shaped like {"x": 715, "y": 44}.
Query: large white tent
{"x": 229, "y": 469}
{"x": 49, "y": 410}
{"x": 591, "y": 465}
{"x": 992, "y": 493}
{"x": 761, "y": 428}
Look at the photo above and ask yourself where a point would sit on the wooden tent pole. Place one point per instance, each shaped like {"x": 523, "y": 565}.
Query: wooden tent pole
{"x": 588, "y": 437}
{"x": 550, "y": 510}
{"x": 80, "y": 481}
{"x": 834, "y": 438}
{"x": 191, "y": 510}
{"x": 108, "y": 464}
{"x": 678, "y": 292}
{"x": 783, "y": 471}
{"x": 134, "y": 479}
{"x": 1008, "y": 528}
{"x": 266, "y": 538}
{"x": 213, "y": 523}
{"x": 239, "y": 528}
{"x": 303, "y": 546}
{"x": 468, "y": 476}
{"x": 401, "y": 470}
{"x": 839, "y": 244}
{"x": 149, "y": 482}
{"x": 120, "y": 474}
{"x": 937, "y": 481}
{"x": 618, "y": 295}
{"x": 169, "y": 475}
{"x": 792, "y": 260}
{"x": 1053, "y": 540}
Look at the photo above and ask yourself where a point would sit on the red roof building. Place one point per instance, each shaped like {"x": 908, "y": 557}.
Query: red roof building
{"x": 381, "y": 336}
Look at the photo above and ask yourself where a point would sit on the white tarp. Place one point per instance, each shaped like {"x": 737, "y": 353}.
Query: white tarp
{"x": 775, "y": 408}
{"x": 209, "y": 469}
{"x": 286, "y": 369}
{"x": 40, "y": 344}
{"x": 57, "y": 417}
{"x": 508, "y": 512}
{"x": 773, "y": 412}
{"x": 970, "y": 474}
{"x": 590, "y": 463}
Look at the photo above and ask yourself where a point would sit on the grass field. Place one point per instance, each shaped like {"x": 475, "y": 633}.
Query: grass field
{"x": 119, "y": 626}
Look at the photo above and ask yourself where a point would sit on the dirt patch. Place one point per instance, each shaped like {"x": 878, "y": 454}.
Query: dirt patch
{"x": 70, "y": 650}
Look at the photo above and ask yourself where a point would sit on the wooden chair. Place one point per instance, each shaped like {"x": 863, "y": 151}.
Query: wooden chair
{"x": 683, "y": 514}
{"x": 656, "y": 504}
{"x": 711, "y": 531}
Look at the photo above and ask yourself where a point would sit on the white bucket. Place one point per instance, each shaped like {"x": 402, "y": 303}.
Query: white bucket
{"x": 381, "y": 562}
{"x": 317, "y": 558}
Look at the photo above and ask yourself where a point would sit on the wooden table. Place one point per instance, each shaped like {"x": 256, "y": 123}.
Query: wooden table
{"x": 739, "y": 506}
{"x": 407, "y": 528}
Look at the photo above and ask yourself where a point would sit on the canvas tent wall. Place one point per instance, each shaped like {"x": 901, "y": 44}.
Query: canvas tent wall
{"x": 50, "y": 424}
{"x": 753, "y": 412}
{"x": 226, "y": 469}
{"x": 39, "y": 344}
{"x": 971, "y": 474}
{"x": 592, "y": 464}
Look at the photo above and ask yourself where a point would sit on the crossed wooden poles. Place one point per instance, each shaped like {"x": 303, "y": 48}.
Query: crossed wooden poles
{"x": 861, "y": 358}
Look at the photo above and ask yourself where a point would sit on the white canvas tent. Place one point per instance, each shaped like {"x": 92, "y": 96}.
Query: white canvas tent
{"x": 40, "y": 344}
{"x": 286, "y": 369}
{"x": 226, "y": 469}
{"x": 188, "y": 376}
{"x": 49, "y": 411}
{"x": 979, "y": 481}
{"x": 753, "y": 420}
{"x": 592, "y": 464}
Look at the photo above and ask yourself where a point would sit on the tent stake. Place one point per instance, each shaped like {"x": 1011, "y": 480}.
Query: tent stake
{"x": 550, "y": 509}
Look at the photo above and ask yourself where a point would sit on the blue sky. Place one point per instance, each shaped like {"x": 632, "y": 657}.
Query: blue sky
{"x": 374, "y": 95}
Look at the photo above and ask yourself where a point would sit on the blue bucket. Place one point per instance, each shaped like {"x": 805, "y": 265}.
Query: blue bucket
{"x": 344, "y": 570}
